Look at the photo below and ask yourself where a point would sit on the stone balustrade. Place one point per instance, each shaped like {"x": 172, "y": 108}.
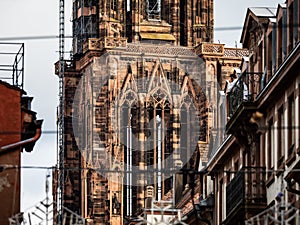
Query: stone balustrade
{"x": 104, "y": 43}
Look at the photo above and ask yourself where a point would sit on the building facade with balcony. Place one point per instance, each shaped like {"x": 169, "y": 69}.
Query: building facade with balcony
{"x": 255, "y": 166}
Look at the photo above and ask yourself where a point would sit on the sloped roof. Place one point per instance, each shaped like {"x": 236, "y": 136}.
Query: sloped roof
{"x": 258, "y": 14}
{"x": 264, "y": 11}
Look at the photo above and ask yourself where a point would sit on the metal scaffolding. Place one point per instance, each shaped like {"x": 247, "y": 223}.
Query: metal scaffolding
{"x": 61, "y": 147}
{"x": 12, "y": 63}
{"x": 280, "y": 214}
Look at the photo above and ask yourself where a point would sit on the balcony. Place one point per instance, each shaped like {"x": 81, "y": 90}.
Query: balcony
{"x": 241, "y": 99}
{"x": 221, "y": 51}
{"x": 246, "y": 88}
{"x": 246, "y": 193}
{"x": 99, "y": 44}
{"x": 69, "y": 65}
{"x": 235, "y": 53}
{"x": 210, "y": 49}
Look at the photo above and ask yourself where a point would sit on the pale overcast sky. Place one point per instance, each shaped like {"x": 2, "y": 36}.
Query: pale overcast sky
{"x": 21, "y": 18}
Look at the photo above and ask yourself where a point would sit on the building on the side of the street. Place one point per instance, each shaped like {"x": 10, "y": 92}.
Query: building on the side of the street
{"x": 19, "y": 130}
{"x": 139, "y": 105}
{"x": 226, "y": 63}
{"x": 255, "y": 168}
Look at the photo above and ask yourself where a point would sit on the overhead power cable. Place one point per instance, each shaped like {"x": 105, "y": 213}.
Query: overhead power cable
{"x": 41, "y": 37}
{"x": 247, "y": 170}
{"x": 213, "y": 129}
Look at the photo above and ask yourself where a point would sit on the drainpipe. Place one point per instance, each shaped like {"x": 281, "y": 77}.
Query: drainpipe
{"x": 23, "y": 143}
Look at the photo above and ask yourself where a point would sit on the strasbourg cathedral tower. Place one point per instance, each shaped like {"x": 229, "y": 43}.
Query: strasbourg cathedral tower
{"x": 139, "y": 95}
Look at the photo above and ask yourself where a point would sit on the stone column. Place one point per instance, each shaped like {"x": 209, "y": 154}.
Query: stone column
{"x": 142, "y": 156}
{"x": 176, "y": 20}
{"x": 135, "y": 14}
{"x": 176, "y": 138}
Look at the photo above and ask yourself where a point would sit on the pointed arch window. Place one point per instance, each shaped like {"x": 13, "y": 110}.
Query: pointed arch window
{"x": 187, "y": 136}
{"x": 128, "y": 119}
{"x": 159, "y": 147}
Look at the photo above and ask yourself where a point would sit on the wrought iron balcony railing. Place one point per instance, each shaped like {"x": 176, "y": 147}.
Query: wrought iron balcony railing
{"x": 245, "y": 89}
{"x": 247, "y": 188}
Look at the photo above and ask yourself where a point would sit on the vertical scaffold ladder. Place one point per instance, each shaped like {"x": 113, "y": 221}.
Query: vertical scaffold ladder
{"x": 60, "y": 164}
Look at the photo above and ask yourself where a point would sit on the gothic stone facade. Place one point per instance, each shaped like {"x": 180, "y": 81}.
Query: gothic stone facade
{"x": 136, "y": 113}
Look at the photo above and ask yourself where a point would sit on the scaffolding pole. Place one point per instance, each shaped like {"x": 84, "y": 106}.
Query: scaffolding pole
{"x": 60, "y": 190}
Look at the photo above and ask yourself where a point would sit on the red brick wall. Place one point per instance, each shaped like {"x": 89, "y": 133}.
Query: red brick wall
{"x": 10, "y": 127}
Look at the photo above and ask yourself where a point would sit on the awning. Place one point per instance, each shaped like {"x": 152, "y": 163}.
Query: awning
{"x": 157, "y": 36}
